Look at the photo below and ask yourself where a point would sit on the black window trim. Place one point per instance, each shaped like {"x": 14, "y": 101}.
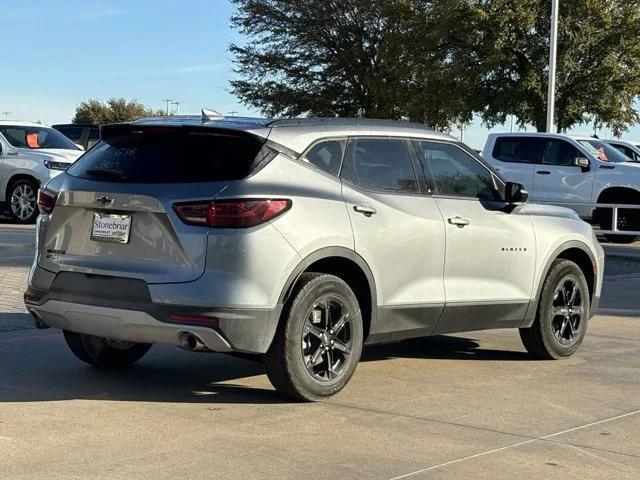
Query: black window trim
{"x": 497, "y": 179}
{"x": 410, "y": 150}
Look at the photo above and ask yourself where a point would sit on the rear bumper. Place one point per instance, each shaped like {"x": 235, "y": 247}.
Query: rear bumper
{"x": 122, "y": 309}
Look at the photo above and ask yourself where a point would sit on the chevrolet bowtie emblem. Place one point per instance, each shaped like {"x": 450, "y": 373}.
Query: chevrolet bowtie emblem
{"x": 104, "y": 201}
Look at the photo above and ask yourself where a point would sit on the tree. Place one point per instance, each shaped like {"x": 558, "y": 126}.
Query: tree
{"x": 113, "y": 110}
{"x": 439, "y": 61}
{"x": 321, "y": 57}
{"x": 503, "y": 46}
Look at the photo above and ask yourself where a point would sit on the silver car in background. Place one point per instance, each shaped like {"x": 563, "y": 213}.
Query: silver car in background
{"x": 300, "y": 240}
{"x": 30, "y": 155}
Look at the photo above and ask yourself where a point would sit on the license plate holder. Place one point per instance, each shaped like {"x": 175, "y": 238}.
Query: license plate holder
{"x": 111, "y": 228}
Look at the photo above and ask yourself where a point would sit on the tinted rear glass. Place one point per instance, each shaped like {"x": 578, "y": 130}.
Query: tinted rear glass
{"x": 172, "y": 156}
{"x": 72, "y": 133}
{"x": 518, "y": 149}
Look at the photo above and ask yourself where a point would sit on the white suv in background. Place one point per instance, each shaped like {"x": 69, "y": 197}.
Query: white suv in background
{"x": 30, "y": 155}
{"x": 575, "y": 172}
{"x": 631, "y": 150}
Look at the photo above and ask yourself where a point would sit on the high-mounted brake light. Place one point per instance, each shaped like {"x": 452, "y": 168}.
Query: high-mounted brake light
{"x": 46, "y": 201}
{"x": 237, "y": 213}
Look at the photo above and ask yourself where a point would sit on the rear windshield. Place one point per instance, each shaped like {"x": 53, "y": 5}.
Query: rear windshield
{"x": 36, "y": 137}
{"x": 169, "y": 157}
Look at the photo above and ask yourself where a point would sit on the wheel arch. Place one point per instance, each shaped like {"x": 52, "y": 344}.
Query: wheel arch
{"x": 15, "y": 177}
{"x": 350, "y": 267}
{"x": 613, "y": 194}
{"x": 579, "y": 253}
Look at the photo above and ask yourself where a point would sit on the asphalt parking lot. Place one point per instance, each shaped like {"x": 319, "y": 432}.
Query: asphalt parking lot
{"x": 471, "y": 405}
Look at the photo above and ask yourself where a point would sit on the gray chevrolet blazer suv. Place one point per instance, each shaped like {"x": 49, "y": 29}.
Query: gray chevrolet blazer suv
{"x": 300, "y": 241}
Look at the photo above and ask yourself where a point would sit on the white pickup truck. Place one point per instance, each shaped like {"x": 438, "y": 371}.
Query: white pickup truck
{"x": 571, "y": 171}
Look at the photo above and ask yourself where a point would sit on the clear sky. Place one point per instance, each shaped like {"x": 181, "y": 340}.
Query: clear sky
{"x": 57, "y": 53}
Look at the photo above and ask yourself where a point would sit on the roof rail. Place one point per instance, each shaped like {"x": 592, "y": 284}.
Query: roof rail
{"x": 336, "y": 121}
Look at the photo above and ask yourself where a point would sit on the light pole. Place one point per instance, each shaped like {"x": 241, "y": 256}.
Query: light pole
{"x": 6, "y": 115}
{"x": 177, "y": 104}
{"x": 553, "y": 53}
{"x": 168, "y": 100}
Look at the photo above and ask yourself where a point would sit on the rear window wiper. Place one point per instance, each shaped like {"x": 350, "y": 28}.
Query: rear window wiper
{"x": 107, "y": 172}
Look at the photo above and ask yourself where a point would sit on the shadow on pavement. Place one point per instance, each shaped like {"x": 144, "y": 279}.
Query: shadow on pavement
{"x": 166, "y": 375}
{"x": 440, "y": 347}
{"x": 15, "y": 321}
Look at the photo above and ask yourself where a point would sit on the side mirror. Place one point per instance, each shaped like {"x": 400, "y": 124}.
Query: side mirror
{"x": 514, "y": 193}
{"x": 581, "y": 162}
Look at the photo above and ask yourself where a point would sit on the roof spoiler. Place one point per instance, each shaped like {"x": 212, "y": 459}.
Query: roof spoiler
{"x": 111, "y": 130}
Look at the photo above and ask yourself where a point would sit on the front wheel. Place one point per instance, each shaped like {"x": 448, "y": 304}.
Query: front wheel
{"x": 104, "y": 352}
{"x": 318, "y": 344}
{"x": 563, "y": 312}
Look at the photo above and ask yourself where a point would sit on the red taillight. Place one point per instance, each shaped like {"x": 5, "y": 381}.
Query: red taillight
{"x": 46, "y": 201}
{"x": 240, "y": 213}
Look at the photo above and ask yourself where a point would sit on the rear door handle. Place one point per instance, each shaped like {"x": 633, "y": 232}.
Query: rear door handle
{"x": 366, "y": 210}
{"x": 459, "y": 221}
{"x": 543, "y": 172}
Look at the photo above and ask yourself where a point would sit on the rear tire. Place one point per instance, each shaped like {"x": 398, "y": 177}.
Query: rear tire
{"x": 318, "y": 343}
{"x": 561, "y": 320}
{"x": 22, "y": 198}
{"x": 103, "y": 352}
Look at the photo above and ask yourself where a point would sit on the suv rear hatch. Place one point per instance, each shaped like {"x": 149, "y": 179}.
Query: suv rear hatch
{"x": 114, "y": 212}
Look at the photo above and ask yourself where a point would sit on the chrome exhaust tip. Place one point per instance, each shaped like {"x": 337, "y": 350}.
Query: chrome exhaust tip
{"x": 190, "y": 342}
{"x": 38, "y": 321}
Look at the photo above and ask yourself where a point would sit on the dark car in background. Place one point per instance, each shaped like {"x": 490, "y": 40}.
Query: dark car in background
{"x": 85, "y": 134}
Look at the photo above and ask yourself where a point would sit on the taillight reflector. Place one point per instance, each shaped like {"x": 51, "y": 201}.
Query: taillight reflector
{"x": 46, "y": 201}
{"x": 237, "y": 213}
{"x": 197, "y": 319}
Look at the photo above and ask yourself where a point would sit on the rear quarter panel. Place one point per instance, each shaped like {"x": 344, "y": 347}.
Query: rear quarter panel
{"x": 317, "y": 219}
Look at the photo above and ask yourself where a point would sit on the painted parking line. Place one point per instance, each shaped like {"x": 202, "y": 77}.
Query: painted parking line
{"x": 519, "y": 444}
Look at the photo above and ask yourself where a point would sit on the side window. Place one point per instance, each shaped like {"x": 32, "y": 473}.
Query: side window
{"x": 15, "y": 136}
{"x": 559, "y": 152}
{"x": 455, "y": 172}
{"x": 380, "y": 164}
{"x": 327, "y": 156}
{"x": 518, "y": 149}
